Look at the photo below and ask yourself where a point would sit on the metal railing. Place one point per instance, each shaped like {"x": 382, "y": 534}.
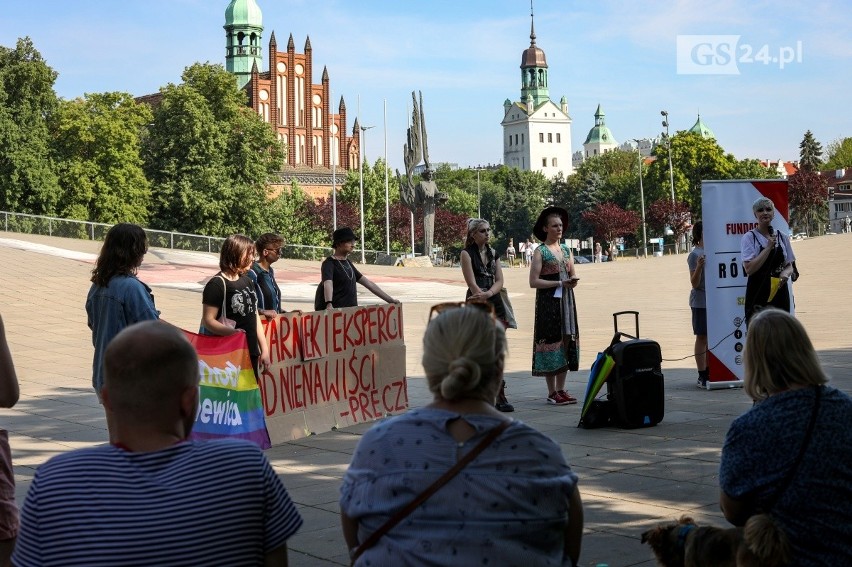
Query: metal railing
{"x": 85, "y": 230}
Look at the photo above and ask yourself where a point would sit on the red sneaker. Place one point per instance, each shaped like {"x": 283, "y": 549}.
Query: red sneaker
{"x": 557, "y": 399}
{"x": 569, "y": 399}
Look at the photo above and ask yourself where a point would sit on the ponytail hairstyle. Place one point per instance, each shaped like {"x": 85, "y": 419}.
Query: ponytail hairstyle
{"x": 697, "y": 233}
{"x": 463, "y": 353}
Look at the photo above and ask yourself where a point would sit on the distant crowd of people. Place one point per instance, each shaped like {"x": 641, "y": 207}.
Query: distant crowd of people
{"x": 456, "y": 482}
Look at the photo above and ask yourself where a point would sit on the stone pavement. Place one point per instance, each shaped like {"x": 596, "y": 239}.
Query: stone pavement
{"x": 629, "y": 479}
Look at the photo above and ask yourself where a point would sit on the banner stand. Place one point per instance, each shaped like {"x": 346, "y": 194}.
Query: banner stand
{"x": 727, "y": 217}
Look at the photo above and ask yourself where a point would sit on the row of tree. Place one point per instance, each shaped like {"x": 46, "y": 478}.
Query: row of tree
{"x": 201, "y": 161}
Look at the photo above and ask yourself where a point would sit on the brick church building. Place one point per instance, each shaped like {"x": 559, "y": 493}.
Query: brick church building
{"x": 285, "y": 95}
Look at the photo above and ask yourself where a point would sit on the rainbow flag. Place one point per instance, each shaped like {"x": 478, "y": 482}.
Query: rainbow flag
{"x": 229, "y": 403}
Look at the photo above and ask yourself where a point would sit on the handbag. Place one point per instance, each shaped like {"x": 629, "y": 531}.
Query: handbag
{"x": 507, "y": 306}
{"x": 202, "y": 330}
{"x": 571, "y": 345}
{"x": 374, "y": 537}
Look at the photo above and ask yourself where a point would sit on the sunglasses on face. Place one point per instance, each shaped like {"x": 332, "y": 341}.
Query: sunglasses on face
{"x": 484, "y": 230}
{"x": 764, "y": 210}
{"x": 484, "y": 306}
{"x": 278, "y": 251}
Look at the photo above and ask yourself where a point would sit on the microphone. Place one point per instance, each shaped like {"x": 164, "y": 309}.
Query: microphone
{"x": 772, "y": 233}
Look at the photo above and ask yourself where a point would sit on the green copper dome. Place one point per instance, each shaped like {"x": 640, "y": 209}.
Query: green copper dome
{"x": 600, "y": 134}
{"x": 702, "y": 130}
{"x": 243, "y": 12}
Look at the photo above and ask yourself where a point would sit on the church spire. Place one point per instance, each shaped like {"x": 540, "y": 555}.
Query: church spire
{"x": 532, "y": 25}
{"x": 533, "y": 70}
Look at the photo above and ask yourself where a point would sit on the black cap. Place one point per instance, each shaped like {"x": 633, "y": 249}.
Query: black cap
{"x": 343, "y": 234}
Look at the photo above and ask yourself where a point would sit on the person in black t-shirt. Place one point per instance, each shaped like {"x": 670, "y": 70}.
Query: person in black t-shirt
{"x": 339, "y": 276}
{"x": 233, "y": 291}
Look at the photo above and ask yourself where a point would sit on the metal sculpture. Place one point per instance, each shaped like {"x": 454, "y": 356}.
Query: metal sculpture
{"x": 423, "y": 194}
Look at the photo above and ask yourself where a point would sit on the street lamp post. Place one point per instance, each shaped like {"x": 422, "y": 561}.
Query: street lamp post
{"x": 669, "y": 147}
{"x": 335, "y": 148}
{"x": 361, "y": 184}
{"x": 642, "y": 198}
{"x": 671, "y": 168}
{"x": 478, "y": 194}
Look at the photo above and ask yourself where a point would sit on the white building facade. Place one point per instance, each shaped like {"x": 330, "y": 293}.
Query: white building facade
{"x": 536, "y": 131}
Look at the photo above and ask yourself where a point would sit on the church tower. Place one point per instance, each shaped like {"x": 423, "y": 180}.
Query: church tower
{"x": 534, "y": 71}
{"x": 702, "y": 129}
{"x": 243, "y": 29}
{"x": 600, "y": 140}
{"x": 536, "y": 131}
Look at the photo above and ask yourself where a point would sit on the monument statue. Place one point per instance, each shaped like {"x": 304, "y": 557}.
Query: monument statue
{"x": 424, "y": 194}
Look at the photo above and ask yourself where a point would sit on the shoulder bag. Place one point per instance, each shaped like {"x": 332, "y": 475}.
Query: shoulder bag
{"x": 430, "y": 490}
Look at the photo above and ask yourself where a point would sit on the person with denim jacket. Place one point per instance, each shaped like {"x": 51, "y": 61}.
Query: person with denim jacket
{"x": 262, "y": 275}
{"x": 117, "y": 298}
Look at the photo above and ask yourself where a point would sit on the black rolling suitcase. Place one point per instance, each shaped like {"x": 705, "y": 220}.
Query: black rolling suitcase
{"x": 635, "y": 385}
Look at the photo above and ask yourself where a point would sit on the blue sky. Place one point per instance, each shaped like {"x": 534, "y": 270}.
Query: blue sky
{"x": 465, "y": 55}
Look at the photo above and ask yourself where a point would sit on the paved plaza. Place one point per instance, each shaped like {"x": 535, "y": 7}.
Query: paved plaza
{"x": 629, "y": 479}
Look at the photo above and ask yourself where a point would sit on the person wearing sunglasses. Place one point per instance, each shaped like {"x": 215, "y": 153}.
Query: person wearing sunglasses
{"x": 766, "y": 254}
{"x": 484, "y": 278}
{"x": 556, "y": 333}
{"x": 268, "y": 293}
{"x": 515, "y": 503}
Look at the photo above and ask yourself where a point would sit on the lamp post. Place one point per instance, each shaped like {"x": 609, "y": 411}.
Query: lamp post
{"x": 478, "y": 194}
{"x": 669, "y": 147}
{"x": 361, "y": 184}
{"x": 387, "y": 194}
{"x": 642, "y": 198}
{"x": 335, "y": 147}
{"x": 671, "y": 169}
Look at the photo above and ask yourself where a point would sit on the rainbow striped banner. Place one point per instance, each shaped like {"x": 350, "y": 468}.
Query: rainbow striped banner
{"x": 229, "y": 403}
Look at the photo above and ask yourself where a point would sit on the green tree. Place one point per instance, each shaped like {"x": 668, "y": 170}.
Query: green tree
{"x": 290, "y": 216}
{"x": 694, "y": 158}
{"x": 839, "y": 154}
{"x": 210, "y": 158}
{"x": 513, "y": 204}
{"x": 616, "y": 172}
{"x": 374, "y": 200}
{"x": 752, "y": 169}
{"x": 585, "y": 198}
{"x": 810, "y": 153}
{"x": 28, "y": 181}
{"x": 96, "y": 144}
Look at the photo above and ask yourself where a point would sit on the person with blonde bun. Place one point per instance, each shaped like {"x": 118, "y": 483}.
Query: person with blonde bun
{"x": 516, "y": 503}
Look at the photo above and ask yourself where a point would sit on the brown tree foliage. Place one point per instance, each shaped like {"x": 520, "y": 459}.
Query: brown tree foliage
{"x": 663, "y": 213}
{"x": 609, "y": 221}
{"x": 808, "y": 195}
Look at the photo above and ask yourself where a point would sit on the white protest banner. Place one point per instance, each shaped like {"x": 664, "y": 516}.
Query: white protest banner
{"x": 727, "y": 211}
{"x": 332, "y": 369}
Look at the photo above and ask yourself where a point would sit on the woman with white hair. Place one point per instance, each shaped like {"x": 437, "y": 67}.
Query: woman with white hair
{"x": 456, "y": 482}
{"x": 766, "y": 254}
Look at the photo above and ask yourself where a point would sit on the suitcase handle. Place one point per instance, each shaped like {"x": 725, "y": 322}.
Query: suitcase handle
{"x": 615, "y": 324}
